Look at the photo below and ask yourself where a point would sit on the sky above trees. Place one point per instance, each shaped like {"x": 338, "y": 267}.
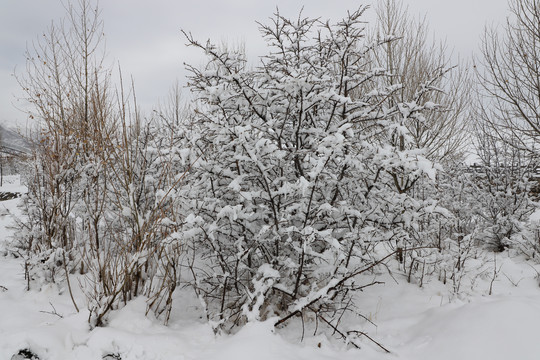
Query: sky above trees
{"x": 145, "y": 39}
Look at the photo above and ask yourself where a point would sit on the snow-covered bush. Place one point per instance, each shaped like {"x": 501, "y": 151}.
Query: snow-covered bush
{"x": 504, "y": 184}
{"x": 508, "y": 115}
{"x": 67, "y": 89}
{"x": 302, "y": 171}
{"x": 102, "y": 182}
{"x": 137, "y": 253}
{"x": 283, "y": 183}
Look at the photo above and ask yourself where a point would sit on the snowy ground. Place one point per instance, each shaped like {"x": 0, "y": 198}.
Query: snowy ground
{"x": 414, "y": 323}
{"x": 12, "y": 183}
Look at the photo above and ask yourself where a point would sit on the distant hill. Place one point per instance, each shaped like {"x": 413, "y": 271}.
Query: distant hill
{"x": 12, "y": 139}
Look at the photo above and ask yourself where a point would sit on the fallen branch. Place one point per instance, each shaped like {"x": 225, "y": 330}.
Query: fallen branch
{"x": 339, "y": 283}
{"x": 334, "y": 288}
{"x": 356, "y": 332}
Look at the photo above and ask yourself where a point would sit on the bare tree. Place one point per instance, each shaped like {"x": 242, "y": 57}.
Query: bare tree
{"x": 68, "y": 87}
{"x": 510, "y": 81}
{"x": 508, "y": 125}
{"x": 101, "y": 178}
{"x": 416, "y": 63}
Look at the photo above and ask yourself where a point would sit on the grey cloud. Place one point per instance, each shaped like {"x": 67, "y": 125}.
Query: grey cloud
{"x": 144, "y": 36}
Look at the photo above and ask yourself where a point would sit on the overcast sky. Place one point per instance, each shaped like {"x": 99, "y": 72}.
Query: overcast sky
{"x": 144, "y": 36}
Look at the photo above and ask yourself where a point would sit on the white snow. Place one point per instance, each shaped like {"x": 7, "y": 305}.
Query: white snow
{"x": 535, "y": 216}
{"x": 12, "y": 183}
{"x": 413, "y": 323}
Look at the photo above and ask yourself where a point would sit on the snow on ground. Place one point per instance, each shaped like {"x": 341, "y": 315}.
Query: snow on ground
{"x": 12, "y": 183}
{"x": 414, "y": 323}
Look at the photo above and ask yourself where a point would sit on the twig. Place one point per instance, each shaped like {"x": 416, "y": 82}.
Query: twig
{"x": 356, "y": 332}
{"x": 68, "y": 282}
{"x": 336, "y": 330}
{"x": 362, "y": 287}
{"x": 54, "y": 312}
{"x": 370, "y": 338}
{"x": 303, "y": 328}
{"x": 515, "y": 283}
{"x": 495, "y": 273}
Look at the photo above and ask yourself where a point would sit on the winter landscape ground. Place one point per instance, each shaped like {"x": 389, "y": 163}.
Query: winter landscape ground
{"x": 317, "y": 202}
{"x": 413, "y": 323}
